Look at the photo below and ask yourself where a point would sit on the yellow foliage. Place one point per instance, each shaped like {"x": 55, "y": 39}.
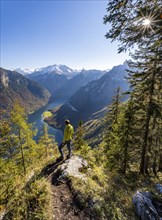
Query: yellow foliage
{"x": 47, "y": 114}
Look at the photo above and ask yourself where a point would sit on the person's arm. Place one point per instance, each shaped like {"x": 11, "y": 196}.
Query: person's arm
{"x": 72, "y": 131}
{"x": 66, "y": 131}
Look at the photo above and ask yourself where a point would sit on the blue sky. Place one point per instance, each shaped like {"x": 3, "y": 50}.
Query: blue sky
{"x": 41, "y": 33}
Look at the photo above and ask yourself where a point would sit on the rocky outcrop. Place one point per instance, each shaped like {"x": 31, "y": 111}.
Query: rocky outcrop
{"x": 67, "y": 203}
{"x": 73, "y": 167}
{"x": 147, "y": 207}
{"x": 159, "y": 188}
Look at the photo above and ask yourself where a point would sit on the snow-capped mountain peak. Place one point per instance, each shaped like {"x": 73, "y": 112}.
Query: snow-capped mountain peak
{"x": 57, "y": 69}
{"x": 24, "y": 71}
{"x": 52, "y": 69}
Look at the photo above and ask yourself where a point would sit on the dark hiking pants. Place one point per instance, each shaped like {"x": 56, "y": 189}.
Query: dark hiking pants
{"x": 68, "y": 144}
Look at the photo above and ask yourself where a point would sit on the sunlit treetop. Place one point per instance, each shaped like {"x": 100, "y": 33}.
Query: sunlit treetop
{"x": 134, "y": 22}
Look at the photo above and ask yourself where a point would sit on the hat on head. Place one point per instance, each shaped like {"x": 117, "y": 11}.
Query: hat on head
{"x": 67, "y": 121}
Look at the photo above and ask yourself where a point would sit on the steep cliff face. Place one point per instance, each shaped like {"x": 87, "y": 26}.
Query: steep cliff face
{"x": 14, "y": 86}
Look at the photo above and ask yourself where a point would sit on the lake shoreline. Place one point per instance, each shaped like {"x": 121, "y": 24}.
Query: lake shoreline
{"x": 38, "y": 120}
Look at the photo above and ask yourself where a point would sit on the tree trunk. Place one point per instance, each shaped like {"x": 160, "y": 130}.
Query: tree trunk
{"x": 160, "y": 163}
{"x": 10, "y": 151}
{"x": 125, "y": 158}
{"x": 22, "y": 154}
{"x": 46, "y": 148}
{"x": 126, "y": 148}
{"x": 143, "y": 165}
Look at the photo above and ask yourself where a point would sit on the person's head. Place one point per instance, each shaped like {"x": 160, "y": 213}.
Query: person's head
{"x": 67, "y": 122}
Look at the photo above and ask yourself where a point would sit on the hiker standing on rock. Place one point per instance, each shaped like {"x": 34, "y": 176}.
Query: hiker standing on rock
{"x": 68, "y": 134}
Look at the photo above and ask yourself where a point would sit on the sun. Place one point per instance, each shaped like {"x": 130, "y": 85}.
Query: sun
{"x": 146, "y": 22}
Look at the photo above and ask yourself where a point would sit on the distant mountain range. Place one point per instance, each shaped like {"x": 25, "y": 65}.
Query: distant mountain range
{"x": 14, "y": 86}
{"x": 61, "y": 81}
{"x": 53, "y": 69}
{"x": 85, "y": 91}
{"x": 92, "y": 97}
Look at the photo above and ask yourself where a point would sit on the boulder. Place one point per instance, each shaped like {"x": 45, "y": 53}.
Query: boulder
{"x": 159, "y": 188}
{"x": 144, "y": 206}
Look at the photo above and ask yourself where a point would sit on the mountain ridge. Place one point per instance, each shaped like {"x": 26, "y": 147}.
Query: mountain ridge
{"x": 56, "y": 68}
{"x": 14, "y": 86}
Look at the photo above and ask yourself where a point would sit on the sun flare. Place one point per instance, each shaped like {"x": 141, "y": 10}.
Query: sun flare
{"x": 146, "y": 22}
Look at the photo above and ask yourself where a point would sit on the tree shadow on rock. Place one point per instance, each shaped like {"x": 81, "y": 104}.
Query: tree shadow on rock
{"x": 50, "y": 168}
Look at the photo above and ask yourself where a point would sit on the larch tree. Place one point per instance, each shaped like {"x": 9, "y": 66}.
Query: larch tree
{"x": 79, "y": 140}
{"x": 24, "y": 133}
{"x": 47, "y": 143}
{"x": 5, "y": 138}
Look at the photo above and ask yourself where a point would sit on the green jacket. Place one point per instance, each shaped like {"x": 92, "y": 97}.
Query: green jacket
{"x": 68, "y": 132}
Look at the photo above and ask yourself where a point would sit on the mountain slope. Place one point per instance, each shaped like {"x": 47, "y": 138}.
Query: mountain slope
{"x": 49, "y": 80}
{"x": 23, "y": 71}
{"x": 74, "y": 84}
{"x": 92, "y": 97}
{"x": 14, "y": 86}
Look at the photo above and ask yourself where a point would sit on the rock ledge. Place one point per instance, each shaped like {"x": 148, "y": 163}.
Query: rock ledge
{"x": 73, "y": 167}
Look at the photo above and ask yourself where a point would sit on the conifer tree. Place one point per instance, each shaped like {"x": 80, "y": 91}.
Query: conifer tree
{"x": 112, "y": 116}
{"x": 126, "y": 133}
{"x": 24, "y": 135}
{"x": 128, "y": 22}
{"x": 112, "y": 132}
{"x": 129, "y": 27}
{"x": 5, "y": 138}
{"x": 47, "y": 142}
{"x": 79, "y": 140}
{"x": 147, "y": 80}
{"x": 155, "y": 146}
{"x": 80, "y": 144}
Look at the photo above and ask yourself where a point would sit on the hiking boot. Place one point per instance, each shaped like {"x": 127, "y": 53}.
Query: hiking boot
{"x": 61, "y": 158}
{"x": 68, "y": 157}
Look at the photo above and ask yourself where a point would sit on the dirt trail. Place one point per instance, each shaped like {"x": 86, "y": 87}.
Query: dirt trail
{"x": 65, "y": 206}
